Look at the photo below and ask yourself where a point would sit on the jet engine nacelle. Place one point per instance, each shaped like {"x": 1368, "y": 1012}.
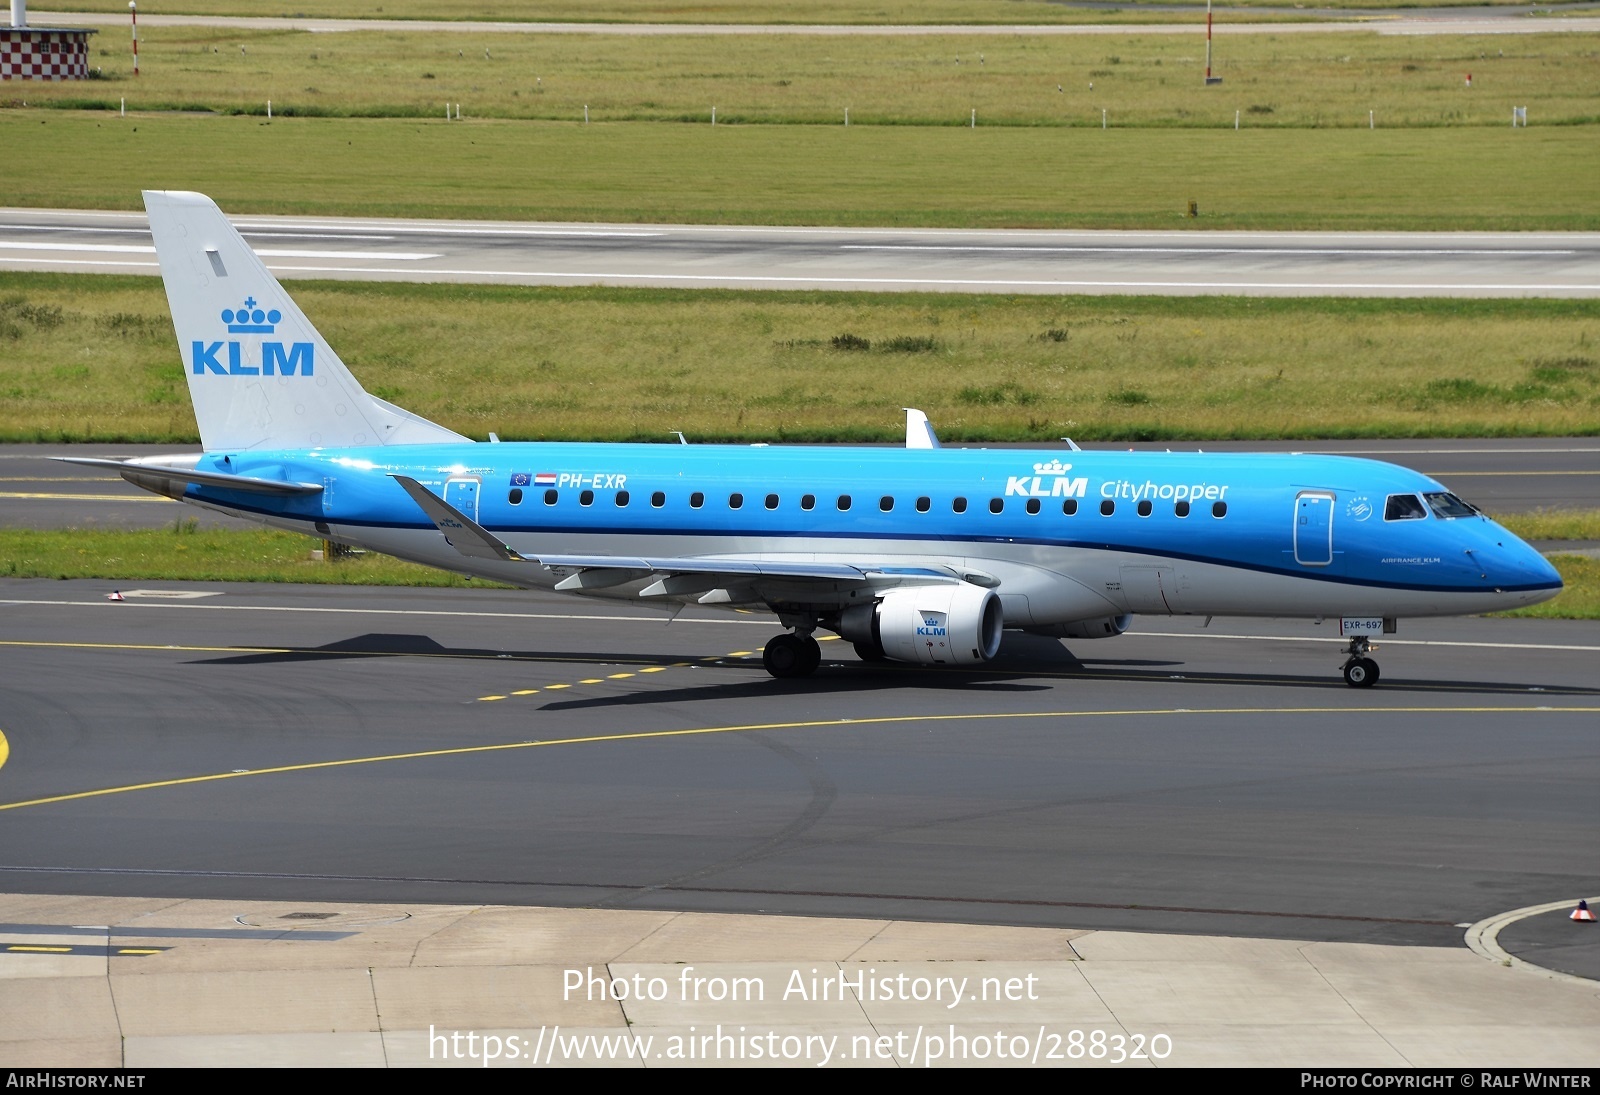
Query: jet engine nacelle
{"x": 934, "y": 625}
{"x": 1107, "y": 627}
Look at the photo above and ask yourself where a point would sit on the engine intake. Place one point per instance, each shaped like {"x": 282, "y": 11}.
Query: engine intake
{"x": 932, "y": 625}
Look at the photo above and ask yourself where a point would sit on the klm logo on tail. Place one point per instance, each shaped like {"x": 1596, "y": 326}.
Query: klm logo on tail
{"x": 276, "y": 360}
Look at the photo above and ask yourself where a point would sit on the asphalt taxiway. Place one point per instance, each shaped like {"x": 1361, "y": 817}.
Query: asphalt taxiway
{"x": 379, "y": 745}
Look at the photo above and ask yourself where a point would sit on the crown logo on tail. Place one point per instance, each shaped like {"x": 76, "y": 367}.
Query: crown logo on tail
{"x": 251, "y": 320}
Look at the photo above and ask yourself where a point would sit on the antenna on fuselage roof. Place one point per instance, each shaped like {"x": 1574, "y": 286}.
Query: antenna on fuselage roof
{"x": 1071, "y": 444}
{"x": 919, "y": 431}
{"x": 682, "y": 440}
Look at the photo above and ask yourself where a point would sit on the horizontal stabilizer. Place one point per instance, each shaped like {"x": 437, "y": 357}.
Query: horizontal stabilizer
{"x": 133, "y": 471}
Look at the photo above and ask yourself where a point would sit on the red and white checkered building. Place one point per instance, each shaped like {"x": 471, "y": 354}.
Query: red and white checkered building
{"x": 44, "y": 53}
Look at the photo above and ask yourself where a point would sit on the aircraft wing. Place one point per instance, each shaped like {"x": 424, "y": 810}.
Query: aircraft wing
{"x": 675, "y": 575}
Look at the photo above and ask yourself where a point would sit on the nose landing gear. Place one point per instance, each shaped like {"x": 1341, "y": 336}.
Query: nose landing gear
{"x": 792, "y": 655}
{"x": 1360, "y": 671}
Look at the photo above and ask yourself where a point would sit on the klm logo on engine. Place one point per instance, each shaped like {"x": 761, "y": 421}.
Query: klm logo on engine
{"x": 229, "y": 358}
{"x": 1049, "y": 480}
{"x": 932, "y": 625}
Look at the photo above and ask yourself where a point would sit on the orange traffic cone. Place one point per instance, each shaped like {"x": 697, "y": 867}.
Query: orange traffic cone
{"x": 115, "y": 595}
{"x": 1582, "y": 913}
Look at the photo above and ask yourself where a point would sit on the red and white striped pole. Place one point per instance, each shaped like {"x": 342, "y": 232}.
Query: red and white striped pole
{"x": 1208, "y": 41}
{"x": 133, "y": 14}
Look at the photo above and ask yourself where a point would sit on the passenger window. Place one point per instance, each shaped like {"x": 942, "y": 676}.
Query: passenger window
{"x": 1181, "y": 509}
{"x": 735, "y": 501}
{"x": 696, "y": 500}
{"x": 1069, "y": 507}
{"x": 516, "y": 496}
{"x": 1219, "y": 509}
{"x": 996, "y": 505}
{"x": 1033, "y": 505}
{"x": 1403, "y": 507}
{"x": 844, "y": 502}
{"x": 808, "y": 501}
{"x": 550, "y": 497}
{"x": 622, "y": 498}
{"x": 586, "y": 498}
{"x": 658, "y": 499}
{"x": 886, "y": 503}
{"x": 923, "y": 503}
{"x": 1448, "y": 506}
{"x": 958, "y": 505}
{"x": 1145, "y": 507}
{"x": 772, "y": 501}
{"x": 1107, "y": 508}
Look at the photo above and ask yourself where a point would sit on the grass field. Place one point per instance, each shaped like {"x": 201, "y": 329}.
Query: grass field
{"x": 1479, "y": 179}
{"x": 720, "y": 11}
{"x": 1272, "y": 81}
{"x": 93, "y": 358}
{"x": 183, "y": 553}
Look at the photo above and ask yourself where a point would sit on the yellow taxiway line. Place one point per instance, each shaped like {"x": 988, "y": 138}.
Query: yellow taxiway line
{"x": 808, "y": 724}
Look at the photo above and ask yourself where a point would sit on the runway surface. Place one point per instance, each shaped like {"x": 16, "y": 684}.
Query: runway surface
{"x": 488, "y": 746}
{"x": 1461, "y": 264}
{"x": 1511, "y": 475}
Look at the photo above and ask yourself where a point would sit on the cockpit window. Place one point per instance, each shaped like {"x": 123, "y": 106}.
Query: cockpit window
{"x": 1447, "y": 506}
{"x": 1404, "y": 507}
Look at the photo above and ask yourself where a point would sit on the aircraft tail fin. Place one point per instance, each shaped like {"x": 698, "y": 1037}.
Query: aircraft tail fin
{"x": 260, "y": 375}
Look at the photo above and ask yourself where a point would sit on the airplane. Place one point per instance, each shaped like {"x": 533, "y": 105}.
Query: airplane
{"x": 923, "y": 554}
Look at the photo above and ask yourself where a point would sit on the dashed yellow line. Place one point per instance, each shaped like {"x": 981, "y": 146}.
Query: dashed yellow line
{"x": 5, "y": 749}
{"x": 807, "y": 724}
{"x": 622, "y": 676}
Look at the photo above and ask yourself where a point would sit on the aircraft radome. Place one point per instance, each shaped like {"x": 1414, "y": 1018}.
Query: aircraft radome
{"x": 919, "y": 554}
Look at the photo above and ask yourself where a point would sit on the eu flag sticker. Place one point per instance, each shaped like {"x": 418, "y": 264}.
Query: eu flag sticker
{"x": 520, "y": 479}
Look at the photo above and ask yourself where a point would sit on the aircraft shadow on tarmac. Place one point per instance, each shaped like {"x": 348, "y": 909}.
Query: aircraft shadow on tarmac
{"x": 1022, "y": 661}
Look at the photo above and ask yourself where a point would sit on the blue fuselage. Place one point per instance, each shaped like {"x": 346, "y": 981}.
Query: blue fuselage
{"x": 1249, "y": 534}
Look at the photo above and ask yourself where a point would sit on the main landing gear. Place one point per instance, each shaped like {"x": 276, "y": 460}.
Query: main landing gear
{"x": 792, "y": 655}
{"x": 1360, "y": 671}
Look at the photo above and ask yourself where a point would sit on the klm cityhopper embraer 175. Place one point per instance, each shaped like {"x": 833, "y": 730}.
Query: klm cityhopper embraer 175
{"x": 921, "y": 554}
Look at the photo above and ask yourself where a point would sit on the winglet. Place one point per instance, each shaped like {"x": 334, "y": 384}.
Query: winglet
{"x": 460, "y": 531}
{"x": 919, "y": 431}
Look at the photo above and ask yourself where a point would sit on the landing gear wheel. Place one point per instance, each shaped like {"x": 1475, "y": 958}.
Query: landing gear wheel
{"x": 813, "y": 652}
{"x": 1361, "y": 672}
{"x": 791, "y": 655}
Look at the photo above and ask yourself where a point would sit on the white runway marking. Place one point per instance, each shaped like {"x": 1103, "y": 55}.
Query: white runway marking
{"x": 1084, "y": 250}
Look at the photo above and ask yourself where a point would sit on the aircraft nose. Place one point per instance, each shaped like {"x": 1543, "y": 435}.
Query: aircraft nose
{"x": 1517, "y": 568}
